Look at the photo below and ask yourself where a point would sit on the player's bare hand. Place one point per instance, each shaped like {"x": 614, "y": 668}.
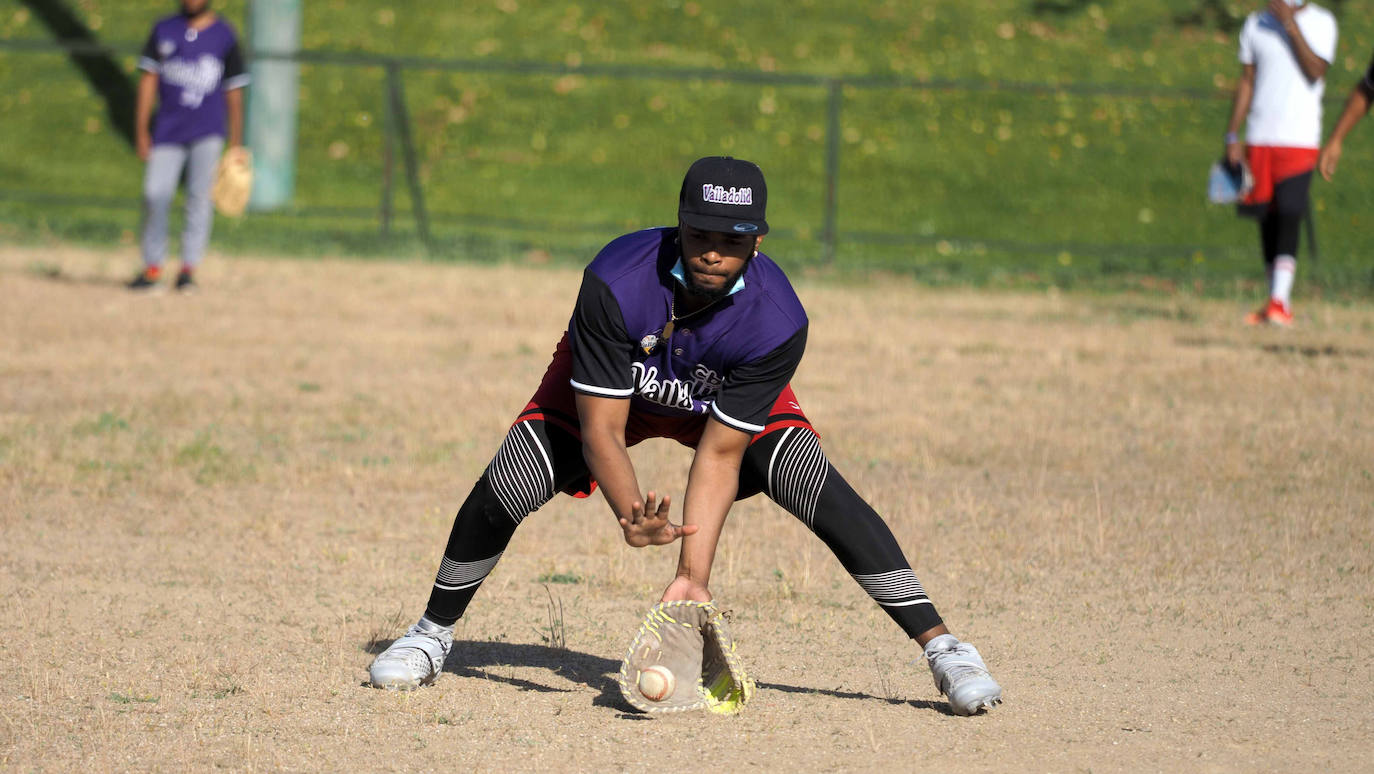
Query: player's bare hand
{"x": 648, "y": 524}
{"x": 1282, "y": 11}
{"x": 683, "y": 588}
{"x": 143, "y": 144}
{"x": 1235, "y": 153}
{"x": 1329, "y": 158}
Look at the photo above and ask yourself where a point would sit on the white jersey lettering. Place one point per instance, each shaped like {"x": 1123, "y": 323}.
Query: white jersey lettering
{"x": 669, "y": 392}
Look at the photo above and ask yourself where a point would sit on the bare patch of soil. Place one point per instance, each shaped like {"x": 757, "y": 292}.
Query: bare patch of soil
{"x": 1155, "y": 524}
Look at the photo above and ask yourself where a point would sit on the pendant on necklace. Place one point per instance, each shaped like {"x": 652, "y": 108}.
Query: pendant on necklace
{"x": 650, "y": 343}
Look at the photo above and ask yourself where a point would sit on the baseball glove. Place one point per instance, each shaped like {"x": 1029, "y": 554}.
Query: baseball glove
{"x": 690, "y": 640}
{"x": 233, "y": 182}
{"x": 1228, "y": 183}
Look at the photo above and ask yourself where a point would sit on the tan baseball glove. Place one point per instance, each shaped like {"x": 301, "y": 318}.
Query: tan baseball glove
{"x": 683, "y": 658}
{"x": 233, "y": 182}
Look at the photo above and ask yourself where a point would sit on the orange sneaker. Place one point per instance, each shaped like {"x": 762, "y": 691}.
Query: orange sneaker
{"x": 1273, "y": 313}
{"x": 145, "y": 280}
{"x": 1278, "y": 313}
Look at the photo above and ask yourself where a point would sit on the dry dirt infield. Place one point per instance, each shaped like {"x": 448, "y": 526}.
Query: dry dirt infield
{"x": 1154, "y": 523}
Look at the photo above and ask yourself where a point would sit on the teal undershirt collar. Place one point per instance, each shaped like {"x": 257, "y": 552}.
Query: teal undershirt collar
{"x": 680, "y": 274}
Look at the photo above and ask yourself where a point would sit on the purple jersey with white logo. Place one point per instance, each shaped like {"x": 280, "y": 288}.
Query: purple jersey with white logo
{"x": 194, "y": 69}
{"x": 731, "y": 359}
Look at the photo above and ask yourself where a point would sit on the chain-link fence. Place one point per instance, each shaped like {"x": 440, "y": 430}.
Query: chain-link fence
{"x": 956, "y": 180}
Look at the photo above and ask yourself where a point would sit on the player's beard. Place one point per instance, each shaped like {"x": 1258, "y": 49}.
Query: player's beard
{"x": 189, "y": 15}
{"x": 712, "y": 295}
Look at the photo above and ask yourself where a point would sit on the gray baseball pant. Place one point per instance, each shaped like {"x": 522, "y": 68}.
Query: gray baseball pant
{"x": 160, "y": 179}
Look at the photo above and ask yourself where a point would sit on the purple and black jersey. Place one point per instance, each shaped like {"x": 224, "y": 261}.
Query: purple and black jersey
{"x": 731, "y": 359}
{"x": 194, "y": 69}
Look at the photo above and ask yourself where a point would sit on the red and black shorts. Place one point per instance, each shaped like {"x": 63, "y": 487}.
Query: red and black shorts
{"x": 1270, "y": 166}
{"x": 555, "y": 403}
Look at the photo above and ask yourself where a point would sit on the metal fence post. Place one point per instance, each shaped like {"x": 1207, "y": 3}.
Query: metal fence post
{"x": 388, "y": 158}
{"x": 399, "y": 115}
{"x": 832, "y": 168}
{"x": 273, "y": 99}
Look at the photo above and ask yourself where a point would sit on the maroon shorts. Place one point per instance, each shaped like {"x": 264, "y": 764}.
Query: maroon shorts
{"x": 555, "y": 402}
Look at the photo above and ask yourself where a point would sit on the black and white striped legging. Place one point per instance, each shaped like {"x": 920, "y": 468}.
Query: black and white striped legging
{"x": 538, "y": 459}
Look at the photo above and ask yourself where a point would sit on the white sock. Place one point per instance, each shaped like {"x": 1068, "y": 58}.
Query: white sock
{"x": 432, "y": 625}
{"x": 941, "y": 643}
{"x": 1281, "y": 286}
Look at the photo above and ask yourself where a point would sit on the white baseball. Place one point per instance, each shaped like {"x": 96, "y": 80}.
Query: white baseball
{"x": 657, "y": 682}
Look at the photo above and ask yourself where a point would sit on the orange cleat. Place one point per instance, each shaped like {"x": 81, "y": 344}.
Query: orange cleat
{"x": 1278, "y": 313}
{"x": 1274, "y": 313}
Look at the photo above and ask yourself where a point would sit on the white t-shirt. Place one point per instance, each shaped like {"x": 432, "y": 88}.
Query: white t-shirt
{"x": 1287, "y": 109}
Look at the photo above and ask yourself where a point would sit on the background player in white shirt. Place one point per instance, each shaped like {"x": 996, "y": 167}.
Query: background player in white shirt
{"x": 1285, "y": 51}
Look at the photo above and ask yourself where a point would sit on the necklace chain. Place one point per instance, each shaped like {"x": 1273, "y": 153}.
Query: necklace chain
{"x": 667, "y": 332}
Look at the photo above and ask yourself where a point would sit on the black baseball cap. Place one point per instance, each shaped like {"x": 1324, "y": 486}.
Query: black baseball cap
{"x": 726, "y": 194}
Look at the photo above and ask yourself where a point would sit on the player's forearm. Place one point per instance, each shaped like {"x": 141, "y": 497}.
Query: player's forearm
{"x": 143, "y": 104}
{"x": 711, "y": 488}
{"x": 1240, "y": 106}
{"x": 609, "y": 463}
{"x": 603, "y": 447}
{"x": 234, "y": 101}
{"x": 1356, "y": 105}
{"x": 1313, "y": 66}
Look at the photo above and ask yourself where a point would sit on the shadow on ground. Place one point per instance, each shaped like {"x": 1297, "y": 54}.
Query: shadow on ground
{"x": 1306, "y": 350}
{"x": 55, "y": 273}
{"x": 488, "y": 661}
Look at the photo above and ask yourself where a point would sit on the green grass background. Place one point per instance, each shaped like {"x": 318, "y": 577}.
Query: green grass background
{"x": 1095, "y": 178}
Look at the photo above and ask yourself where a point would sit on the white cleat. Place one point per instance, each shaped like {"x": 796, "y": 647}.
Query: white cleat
{"x": 415, "y": 659}
{"x": 961, "y": 675}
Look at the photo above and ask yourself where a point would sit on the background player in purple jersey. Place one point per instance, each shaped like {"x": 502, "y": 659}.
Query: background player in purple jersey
{"x": 193, "y": 71}
{"x": 687, "y": 333}
{"x": 1356, "y": 105}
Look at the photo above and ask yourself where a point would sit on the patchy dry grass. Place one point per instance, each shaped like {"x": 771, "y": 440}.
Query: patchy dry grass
{"x": 1156, "y": 525}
